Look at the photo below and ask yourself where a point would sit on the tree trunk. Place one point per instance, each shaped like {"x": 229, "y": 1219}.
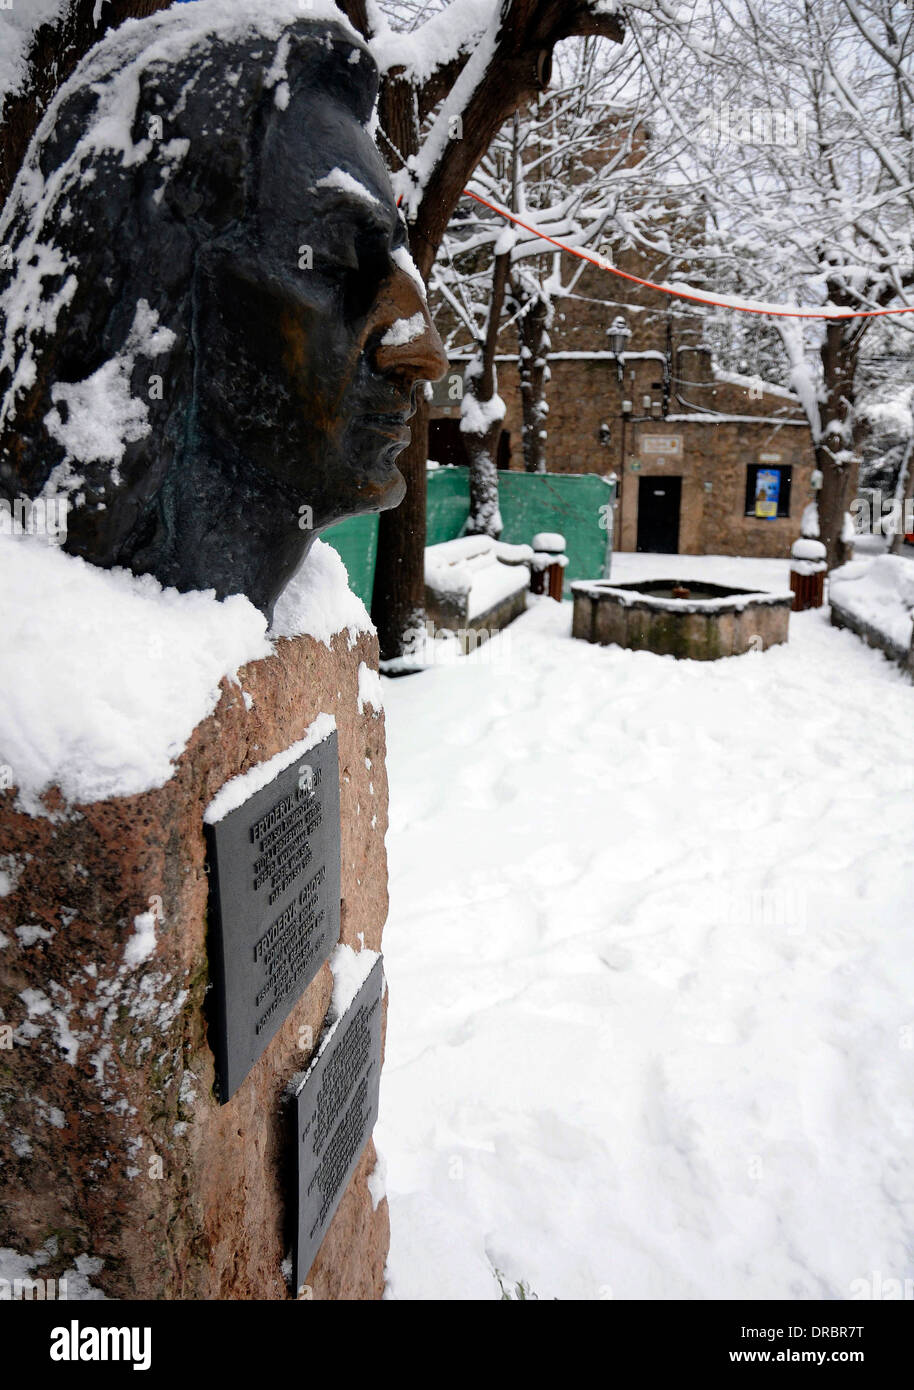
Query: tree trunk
{"x": 905, "y": 494}
{"x": 398, "y": 597}
{"x": 485, "y": 517}
{"x": 519, "y": 67}
{"x": 835, "y": 449}
{"x": 480, "y": 396}
{"x": 398, "y": 608}
{"x": 533, "y": 369}
{"x": 55, "y": 50}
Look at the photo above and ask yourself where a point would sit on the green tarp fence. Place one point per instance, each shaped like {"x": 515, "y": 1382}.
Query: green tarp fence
{"x": 573, "y": 503}
{"x": 356, "y": 542}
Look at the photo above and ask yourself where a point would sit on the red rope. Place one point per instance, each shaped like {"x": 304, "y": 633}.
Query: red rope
{"x": 683, "y": 294}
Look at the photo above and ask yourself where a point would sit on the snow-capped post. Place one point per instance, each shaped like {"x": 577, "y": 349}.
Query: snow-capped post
{"x": 807, "y": 574}
{"x": 447, "y": 86}
{"x": 547, "y": 572}
{"x": 193, "y": 795}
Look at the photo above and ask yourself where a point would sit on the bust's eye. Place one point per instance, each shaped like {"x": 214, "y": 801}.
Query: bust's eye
{"x": 355, "y": 255}
{"x": 361, "y": 284}
{"x": 340, "y": 259}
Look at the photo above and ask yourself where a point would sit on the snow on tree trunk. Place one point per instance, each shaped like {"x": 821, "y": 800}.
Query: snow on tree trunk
{"x": 480, "y": 424}
{"x": 533, "y": 365}
{"x": 485, "y": 517}
{"x": 482, "y": 412}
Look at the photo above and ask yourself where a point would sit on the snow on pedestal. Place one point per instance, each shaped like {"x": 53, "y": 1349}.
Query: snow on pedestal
{"x": 124, "y": 709}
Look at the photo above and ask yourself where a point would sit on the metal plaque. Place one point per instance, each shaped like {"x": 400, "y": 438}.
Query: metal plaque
{"x": 337, "y": 1105}
{"x": 274, "y": 913}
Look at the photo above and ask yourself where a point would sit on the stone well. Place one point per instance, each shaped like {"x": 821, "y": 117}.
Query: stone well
{"x": 701, "y": 622}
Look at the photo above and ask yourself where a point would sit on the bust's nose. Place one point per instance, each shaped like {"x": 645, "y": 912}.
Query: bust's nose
{"x": 409, "y": 344}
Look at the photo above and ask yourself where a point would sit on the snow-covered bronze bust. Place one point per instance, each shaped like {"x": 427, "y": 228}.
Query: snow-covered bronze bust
{"x": 211, "y": 330}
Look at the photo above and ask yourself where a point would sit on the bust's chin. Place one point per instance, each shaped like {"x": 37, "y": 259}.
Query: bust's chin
{"x": 386, "y": 489}
{"x": 397, "y": 490}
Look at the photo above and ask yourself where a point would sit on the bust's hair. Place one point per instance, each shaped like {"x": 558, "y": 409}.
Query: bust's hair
{"x": 147, "y": 154}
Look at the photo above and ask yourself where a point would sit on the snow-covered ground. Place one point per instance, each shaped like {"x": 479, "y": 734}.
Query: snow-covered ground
{"x": 651, "y": 974}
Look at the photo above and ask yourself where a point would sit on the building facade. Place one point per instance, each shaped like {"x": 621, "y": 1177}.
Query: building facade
{"x": 705, "y": 461}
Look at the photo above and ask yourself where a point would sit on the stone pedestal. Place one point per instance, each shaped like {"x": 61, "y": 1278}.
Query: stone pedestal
{"x": 120, "y": 1170}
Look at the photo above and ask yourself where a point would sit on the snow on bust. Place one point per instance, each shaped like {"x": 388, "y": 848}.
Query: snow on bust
{"x": 404, "y": 331}
{"x": 233, "y": 142}
{"x": 340, "y": 179}
{"x": 104, "y": 675}
{"x": 100, "y": 415}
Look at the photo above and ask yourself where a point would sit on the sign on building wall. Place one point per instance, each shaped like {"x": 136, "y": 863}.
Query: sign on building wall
{"x": 663, "y": 445}
{"x": 767, "y": 491}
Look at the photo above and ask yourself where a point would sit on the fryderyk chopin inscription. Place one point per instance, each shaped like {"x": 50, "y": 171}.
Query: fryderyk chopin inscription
{"x": 274, "y": 865}
{"x": 202, "y": 264}
{"x": 336, "y": 1109}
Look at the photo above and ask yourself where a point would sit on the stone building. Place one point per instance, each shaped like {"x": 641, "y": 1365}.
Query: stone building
{"x": 707, "y": 461}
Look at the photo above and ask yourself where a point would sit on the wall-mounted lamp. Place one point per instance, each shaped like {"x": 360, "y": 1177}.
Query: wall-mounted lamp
{"x": 626, "y": 407}
{"x": 619, "y": 334}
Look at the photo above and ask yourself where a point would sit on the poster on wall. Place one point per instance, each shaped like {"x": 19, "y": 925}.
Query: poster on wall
{"x": 767, "y": 492}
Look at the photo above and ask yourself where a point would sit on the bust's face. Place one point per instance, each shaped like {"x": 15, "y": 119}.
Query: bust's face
{"x": 312, "y": 333}
{"x": 272, "y": 252}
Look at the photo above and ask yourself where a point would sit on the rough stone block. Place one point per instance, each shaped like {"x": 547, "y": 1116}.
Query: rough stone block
{"x": 116, "y": 1150}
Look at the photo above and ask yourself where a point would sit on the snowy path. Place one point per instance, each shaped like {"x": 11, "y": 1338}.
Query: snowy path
{"x": 651, "y": 968}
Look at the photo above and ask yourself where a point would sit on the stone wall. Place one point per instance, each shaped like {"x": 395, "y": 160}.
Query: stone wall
{"x": 119, "y": 1165}
{"x": 736, "y": 427}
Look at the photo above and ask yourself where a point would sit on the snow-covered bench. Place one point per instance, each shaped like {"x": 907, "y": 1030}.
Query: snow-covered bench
{"x": 875, "y": 599}
{"x": 476, "y": 584}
